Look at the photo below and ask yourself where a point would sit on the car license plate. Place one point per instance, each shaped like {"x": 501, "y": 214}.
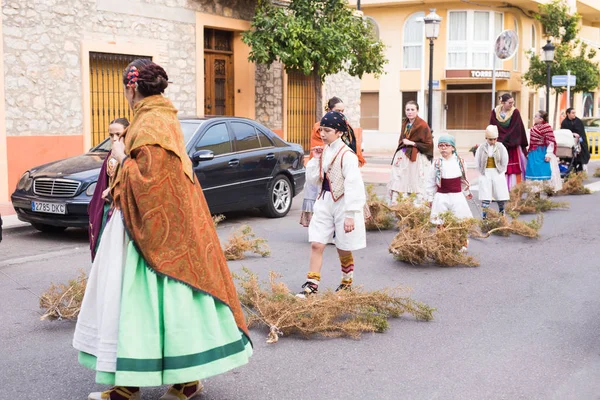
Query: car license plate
{"x": 51, "y": 208}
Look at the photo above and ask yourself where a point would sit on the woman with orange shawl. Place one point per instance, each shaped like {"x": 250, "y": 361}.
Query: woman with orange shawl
{"x": 179, "y": 318}
{"x": 412, "y": 158}
{"x": 511, "y": 133}
{"x": 311, "y": 191}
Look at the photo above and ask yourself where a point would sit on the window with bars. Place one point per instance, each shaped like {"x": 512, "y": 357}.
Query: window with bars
{"x": 107, "y": 99}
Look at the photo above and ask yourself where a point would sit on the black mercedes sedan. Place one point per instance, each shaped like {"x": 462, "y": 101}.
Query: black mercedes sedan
{"x": 240, "y": 164}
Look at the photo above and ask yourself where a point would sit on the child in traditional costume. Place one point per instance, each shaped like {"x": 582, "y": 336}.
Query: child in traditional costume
{"x": 339, "y": 206}
{"x": 542, "y": 163}
{"x": 99, "y": 209}
{"x": 447, "y": 185}
{"x": 311, "y": 191}
{"x": 412, "y": 158}
{"x": 491, "y": 160}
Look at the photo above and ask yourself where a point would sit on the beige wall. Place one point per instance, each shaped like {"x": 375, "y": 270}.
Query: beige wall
{"x": 4, "y": 189}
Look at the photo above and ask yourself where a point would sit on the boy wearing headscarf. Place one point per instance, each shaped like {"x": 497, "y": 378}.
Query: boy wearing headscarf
{"x": 447, "y": 185}
{"x": 491, "y": 160}
{"x": 339, "y": 206}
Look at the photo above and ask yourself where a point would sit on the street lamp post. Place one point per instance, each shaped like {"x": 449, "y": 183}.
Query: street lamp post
{"x": 432, "y": 30}
{"x": 548, "y": 58}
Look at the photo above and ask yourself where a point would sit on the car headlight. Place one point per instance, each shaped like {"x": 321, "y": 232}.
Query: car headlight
{"x": 90, "y": 190}
{"x": 25, "y": 182}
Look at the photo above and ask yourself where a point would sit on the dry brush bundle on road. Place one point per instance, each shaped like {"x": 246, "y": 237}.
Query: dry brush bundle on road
{"x": 500, "y": 225}
{"x": 574, "y": 184}
{"x": 597, "y": 173}
{"x": 421, "y": 242}
{"x": 330, "y": 314}
{"x": 526, "y": 198}
{"x": 244, "y": 240}
{"x": 382, "y": 218}
{"x": 64, "y": 301}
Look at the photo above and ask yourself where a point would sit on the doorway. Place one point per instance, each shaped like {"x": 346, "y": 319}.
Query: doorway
{"x": 218, "y": 72}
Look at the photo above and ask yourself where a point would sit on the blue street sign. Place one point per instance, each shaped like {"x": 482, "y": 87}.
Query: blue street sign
{"x": 435, "y": 84}
{"x": 561, "y": 80}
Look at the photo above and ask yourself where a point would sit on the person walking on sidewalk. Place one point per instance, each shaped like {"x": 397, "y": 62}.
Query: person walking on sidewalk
{"x": 412, "y": 158}
{"x": 511, "y": 133}
{"x": 574, "y": 124}
{"x": 160, "y": 305}
{"x": 491, "y": 160}
{"x": 311, "y": 191}
{"x": 339, "y": 206}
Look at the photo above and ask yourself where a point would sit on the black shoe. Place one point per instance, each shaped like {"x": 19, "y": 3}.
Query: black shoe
{"x": 344, "y": 286}
{"x": 308, "y": 289}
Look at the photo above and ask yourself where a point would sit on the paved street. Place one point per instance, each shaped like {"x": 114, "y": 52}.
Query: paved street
{"x": 523, "y": 325}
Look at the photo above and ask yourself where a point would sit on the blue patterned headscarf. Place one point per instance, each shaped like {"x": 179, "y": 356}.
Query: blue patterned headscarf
{"x": 335, "y": 120}
{"x": 449, "y": 139}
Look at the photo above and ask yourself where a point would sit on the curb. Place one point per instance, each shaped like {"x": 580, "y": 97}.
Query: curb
{"x": 10, "y": 222}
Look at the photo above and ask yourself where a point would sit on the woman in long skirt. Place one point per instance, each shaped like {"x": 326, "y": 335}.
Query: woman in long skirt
{"x": 160, "y": 305}
{"x": 412, "y": 159}
{"x": 542, "y": 163}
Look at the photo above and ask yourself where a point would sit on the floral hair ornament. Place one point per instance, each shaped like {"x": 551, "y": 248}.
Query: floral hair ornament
{"x": 132, "y": 77}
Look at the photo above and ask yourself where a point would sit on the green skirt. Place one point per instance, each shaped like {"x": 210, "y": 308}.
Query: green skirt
{"x": 169, "y": 333}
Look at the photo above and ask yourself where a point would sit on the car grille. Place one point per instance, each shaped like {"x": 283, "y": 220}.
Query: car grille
{"x": 55, "y": 187}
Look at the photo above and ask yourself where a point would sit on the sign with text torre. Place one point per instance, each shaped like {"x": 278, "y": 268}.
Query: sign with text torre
{"x": 476, "y": 74}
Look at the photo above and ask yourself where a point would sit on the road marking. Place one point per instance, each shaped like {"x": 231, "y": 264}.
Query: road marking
{"x": 594, "y": 187}
{"x": 40, "y": 257}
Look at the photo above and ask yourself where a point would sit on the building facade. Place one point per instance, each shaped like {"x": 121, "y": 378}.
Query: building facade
{"x": 62, "y": 65}
{"x": 462, "y": 67}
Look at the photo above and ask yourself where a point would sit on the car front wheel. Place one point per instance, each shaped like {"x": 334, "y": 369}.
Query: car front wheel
{"x": 279, "y": 198}
{"x": 48, "y": 228}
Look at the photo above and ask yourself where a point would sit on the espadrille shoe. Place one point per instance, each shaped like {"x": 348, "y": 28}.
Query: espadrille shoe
{"x": 116, "y": 393}
{"x": 178, "y": 392}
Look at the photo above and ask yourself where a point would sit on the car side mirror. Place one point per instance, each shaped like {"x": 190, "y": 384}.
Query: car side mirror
{"x": 202, "y": 155}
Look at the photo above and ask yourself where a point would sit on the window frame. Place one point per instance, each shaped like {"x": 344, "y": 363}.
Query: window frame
{"x": 470, "y": 44}
{"x": 413, "y": 44}
{"x": 235, "y": 140}
{"x": 203, "y": 133}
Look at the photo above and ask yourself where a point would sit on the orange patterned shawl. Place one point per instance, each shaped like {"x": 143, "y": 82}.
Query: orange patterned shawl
{"x": 164, "y": 209}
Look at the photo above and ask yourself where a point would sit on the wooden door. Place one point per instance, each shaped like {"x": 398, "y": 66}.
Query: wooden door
{"x": 218, "y": 84}
{"x": 302, "y": 113}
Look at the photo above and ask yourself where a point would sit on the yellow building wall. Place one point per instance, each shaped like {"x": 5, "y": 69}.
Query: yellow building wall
{"x": 391, "y": 21}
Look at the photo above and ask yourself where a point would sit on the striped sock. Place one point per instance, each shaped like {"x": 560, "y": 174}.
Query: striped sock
{"x": 314, "y": 278}
{"x": 347, "y": 269}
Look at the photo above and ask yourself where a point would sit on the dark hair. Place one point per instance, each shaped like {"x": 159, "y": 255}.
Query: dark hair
{"x": 332, "y": 102}
{"x": 569, "y": 110}
{"x": 152, "y": 78}
{"x": 413, "y": 103}
{"x": 543, "y": 115}
{"x": 120, "y": 121}
{"x": 505, "y": 97}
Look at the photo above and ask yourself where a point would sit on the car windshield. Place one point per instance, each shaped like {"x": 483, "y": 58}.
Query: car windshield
{"x": 595, "y": 122}
{"x": 189, "y": 127}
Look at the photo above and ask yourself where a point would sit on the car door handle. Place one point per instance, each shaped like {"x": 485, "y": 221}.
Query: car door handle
{"x": 270, "y": 156}
{"x": 234, "y": 163}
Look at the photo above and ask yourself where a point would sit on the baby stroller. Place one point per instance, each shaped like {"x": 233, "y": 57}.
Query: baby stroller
{"x": 567, "y": 150}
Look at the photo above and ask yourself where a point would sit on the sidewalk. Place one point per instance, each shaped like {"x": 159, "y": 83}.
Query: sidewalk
{"x": 9, "y": 217}
{"x": 378, "y": 166}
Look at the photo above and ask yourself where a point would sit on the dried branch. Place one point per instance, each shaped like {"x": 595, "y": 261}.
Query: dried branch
{"x": 330, "y": 314}
{"x": 381, "y": 216}
{"x": 243, "y": 240}
{"x": 574, "y": 184}
{"x": 64, "y": 301}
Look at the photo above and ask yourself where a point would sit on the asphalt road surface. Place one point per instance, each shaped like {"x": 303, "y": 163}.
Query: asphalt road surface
{"x": 523, "y": 325}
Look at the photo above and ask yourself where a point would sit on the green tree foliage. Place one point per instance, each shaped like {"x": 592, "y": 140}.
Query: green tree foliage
{"x": 321, "y": 37}
{"x": 570, "y": 54}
